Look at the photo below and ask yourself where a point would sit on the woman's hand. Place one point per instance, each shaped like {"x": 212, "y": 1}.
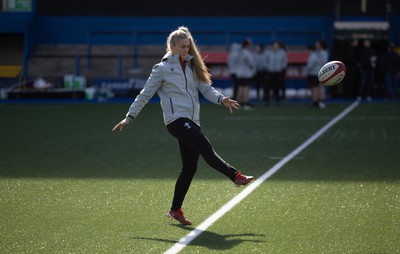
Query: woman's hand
{"x": 121, "y": 125}
{"x": 229, "y": 103}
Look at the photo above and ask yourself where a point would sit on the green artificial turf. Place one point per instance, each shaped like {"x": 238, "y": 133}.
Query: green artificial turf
{"x": 70, "y": 185}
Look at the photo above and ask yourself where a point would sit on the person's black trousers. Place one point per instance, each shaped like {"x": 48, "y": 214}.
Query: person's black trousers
{"x": 192, "y": 144}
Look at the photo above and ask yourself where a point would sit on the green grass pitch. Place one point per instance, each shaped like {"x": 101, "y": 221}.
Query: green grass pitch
{"x": 70, "y": 185}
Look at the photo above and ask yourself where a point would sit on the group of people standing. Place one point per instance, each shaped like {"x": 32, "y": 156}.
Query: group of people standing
{"x": 265, "y": 67}
{"x": 364, "y": 63}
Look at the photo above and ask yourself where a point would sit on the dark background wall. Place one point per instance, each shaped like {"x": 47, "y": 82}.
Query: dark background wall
{"x": 186, "y": 8}
{"x": 213, "y": 8}
{"x": 96, "y": 22}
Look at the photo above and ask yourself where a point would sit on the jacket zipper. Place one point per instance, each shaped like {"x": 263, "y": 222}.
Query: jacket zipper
{"x": 191, "y": 98}
{"x": 172, "y": 105}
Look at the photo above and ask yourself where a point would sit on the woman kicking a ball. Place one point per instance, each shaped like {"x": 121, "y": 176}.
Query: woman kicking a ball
{"x": 177, "y": 80}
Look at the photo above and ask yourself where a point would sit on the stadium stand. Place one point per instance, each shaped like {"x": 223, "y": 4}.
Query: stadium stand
{"x": 10, "y": 71}
{"x": 121, "y": 41}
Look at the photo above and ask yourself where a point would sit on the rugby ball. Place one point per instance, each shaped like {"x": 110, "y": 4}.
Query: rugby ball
{"x": 332, "y": 73}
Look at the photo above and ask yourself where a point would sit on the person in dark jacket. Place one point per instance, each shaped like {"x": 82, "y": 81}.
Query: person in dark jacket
{"x": 368, "y": 61}
{"x": 352, "y": 80}
{"x": 178, "y": 79}
{"x": 391, "y": 71}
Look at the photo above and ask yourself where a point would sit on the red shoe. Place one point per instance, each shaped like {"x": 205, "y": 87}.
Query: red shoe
{"x": 179, "y": 216}
{"x": 241, "y": 179}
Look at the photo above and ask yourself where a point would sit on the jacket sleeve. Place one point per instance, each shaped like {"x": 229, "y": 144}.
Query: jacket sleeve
{"x": 210, "y": 93}
{"x": 151, "y": 86}
{"x": 310, "y": 64}
{"x": 285, "y": 60}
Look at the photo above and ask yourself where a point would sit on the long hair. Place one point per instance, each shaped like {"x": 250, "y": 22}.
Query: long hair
{"x": 200, "y": 70}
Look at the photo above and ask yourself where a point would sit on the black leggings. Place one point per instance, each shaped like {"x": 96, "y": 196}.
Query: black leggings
{"x": 192, "y": 144}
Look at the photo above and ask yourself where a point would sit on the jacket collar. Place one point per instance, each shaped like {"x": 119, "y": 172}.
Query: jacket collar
{"x": 174, "y": 58}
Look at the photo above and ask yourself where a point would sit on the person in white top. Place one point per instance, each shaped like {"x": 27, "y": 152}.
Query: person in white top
{"x": 178, "y": 79}
{"x": 260, "y": 78}
{"x": 233, "y": 65}
{"x": 245, "y": 74}
{"x": 276, "y": 60}
{"x": 317, "y": 58}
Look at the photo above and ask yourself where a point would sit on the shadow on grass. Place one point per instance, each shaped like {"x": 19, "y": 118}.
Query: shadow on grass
{"x": 81, "y": 145}
{"x": 212, "y": 240}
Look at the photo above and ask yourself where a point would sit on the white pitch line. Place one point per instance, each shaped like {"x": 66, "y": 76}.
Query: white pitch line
{"x": 183, "y": 242}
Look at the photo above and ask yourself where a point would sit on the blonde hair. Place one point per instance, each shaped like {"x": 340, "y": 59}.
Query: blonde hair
{"x": 200, "y": 70}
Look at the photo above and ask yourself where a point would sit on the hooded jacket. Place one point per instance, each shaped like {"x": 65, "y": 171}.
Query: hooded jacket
{"x": 233, "y": 58}
{"x": 178, "y": 91}
{"x": 315, "y": 61}
{"x": 247, "y": 65}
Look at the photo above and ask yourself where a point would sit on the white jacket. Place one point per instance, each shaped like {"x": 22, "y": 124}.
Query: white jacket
{"x": 276, "y": 60}
{"x": 178, "y": 91}
{"x": 315, "y": 61}
{"x": 233, "y": 58}
{"x": 246, "y": 64}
